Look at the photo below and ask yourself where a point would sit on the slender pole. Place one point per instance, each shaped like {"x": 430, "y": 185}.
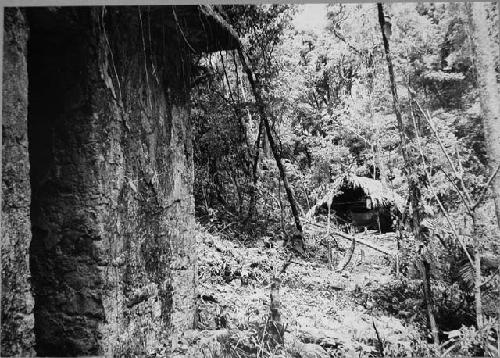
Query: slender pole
{"x": 414, "y": 190}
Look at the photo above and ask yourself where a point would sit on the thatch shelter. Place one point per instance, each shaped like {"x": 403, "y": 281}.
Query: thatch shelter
{"x": 361, "y": 202}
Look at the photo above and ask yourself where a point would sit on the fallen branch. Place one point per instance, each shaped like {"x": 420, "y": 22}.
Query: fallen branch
{"x": 350, "y": 238}
{"x": 362, "y": 242}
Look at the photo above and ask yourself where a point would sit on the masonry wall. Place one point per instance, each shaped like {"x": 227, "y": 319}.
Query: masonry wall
{"x": 17, "y": 302}
{"x": 112, "y": 256}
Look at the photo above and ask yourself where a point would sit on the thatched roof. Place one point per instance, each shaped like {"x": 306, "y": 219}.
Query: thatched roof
{"x": 380, "y": 195}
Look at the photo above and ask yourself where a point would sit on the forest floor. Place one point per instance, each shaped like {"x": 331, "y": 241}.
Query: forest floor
{"x": 326, "y": 313}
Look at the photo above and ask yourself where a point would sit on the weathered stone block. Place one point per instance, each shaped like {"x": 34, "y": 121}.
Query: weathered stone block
{"x": 17, "y": 301}
{"x": 101, "y": 94}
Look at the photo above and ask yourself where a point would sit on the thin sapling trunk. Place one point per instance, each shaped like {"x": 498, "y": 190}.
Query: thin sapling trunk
{"x": 414, "y": 190}
{"x": 297, "y": 239}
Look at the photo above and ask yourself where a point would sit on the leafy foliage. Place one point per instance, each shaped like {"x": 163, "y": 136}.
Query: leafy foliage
{"x": 327, "y": 93}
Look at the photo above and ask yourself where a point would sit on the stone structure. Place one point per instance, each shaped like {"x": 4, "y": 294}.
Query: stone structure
{"x": 98, "y": 251}
{"x": 17, "y": 301}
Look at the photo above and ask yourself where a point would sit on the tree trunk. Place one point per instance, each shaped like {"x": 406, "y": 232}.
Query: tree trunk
{"x": 477, "y": 288}
{"x": 496, "y": 190}
{"x": 477, "y": 270}
{"x": 328, "y": 238}
{"x": 414, "y": 190}
{"x": 483, "y": 46}
{"x": 298, "y": 238}
{"x": 430, "y": 304}
{"x": 275, "y": 325}
{"x": 253, "y": 193}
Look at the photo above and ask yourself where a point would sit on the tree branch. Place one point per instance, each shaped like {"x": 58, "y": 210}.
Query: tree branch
{"x": 485, "y": 189}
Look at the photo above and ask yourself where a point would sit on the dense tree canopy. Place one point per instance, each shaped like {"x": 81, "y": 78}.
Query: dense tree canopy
{"x": 332, "y": 106}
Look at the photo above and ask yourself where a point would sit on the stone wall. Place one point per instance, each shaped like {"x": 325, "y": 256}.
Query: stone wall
{"x": 112, "y": 212}
{"x": 17, "y": 301}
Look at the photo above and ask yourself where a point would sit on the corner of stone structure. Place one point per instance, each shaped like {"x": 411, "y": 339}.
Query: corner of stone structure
{"x": 98, "y": 206}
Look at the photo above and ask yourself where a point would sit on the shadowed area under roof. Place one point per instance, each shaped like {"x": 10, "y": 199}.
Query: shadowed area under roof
{"x": 375, "y": 190}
